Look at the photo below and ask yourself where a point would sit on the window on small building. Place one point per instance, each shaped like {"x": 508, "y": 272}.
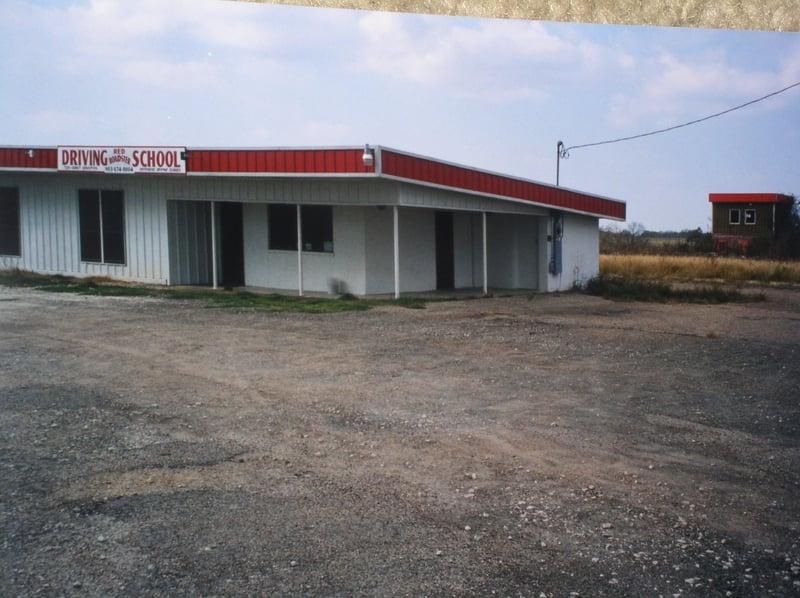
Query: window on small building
{"x": 750, "y": 216}
{"x": 735, "y": 216}
{"x": 316, "y": 225}
{"x": 102, "y": 226}
{"x": 9, "y": 221}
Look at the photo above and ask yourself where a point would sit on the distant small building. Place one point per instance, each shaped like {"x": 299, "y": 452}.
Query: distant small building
{"x": 741, "y": 219}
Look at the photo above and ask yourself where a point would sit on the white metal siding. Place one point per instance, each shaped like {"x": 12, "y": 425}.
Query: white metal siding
{"x": 256, "y": 246}
{"x": 581, "y": 250}
{"x": 379, "y": 253}
{"x": 263, "y": 190}
{"x": 277, "y": 269}
{"x": 349, "y": 248}
{"x": 513, "y": 252}
{"x": 49, "y": 224}
{"x": 161, "y": 249}
{"x": 444, "y": 199}
{"x": 417, "y": 250}
{"x": 50, "y": 231}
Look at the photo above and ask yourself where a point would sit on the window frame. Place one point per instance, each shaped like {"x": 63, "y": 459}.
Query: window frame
{"x": 282, "y": 227}
{"x": 748, "y": 212}
{"x": 101, "y": 226}
{"x": 738, "y": 213}
{"x": 316, "y": 223}
{"x": 10, "y": 223}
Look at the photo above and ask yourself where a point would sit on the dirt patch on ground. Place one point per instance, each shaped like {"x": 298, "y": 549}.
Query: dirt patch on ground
{"x": 520, "y": 446}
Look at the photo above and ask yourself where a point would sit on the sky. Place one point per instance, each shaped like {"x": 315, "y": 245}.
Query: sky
{"x": 489, "y": 93}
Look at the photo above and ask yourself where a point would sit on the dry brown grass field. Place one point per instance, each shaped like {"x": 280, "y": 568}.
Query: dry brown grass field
{"x": 700, "y": 268}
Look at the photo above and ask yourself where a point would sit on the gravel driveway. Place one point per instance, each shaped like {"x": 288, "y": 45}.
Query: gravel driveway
{"x": 515, "y": 446}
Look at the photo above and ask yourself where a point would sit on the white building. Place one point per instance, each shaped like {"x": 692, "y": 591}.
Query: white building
{"x": 369, "y": 220}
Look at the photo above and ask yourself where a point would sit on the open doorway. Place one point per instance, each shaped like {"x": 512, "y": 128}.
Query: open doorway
{"x": 231, "y": 244}
{"x": 191, "y": 245}
{"x": 445, "y": 254}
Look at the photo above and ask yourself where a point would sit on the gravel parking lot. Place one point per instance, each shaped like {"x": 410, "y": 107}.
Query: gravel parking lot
{"x": 515, "y": 446}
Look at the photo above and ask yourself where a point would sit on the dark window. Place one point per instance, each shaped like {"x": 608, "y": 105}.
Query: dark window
{"x": 316, "y": 224}
{"x": 89, "y": 204}
{"x": 735, "y": 216}
{"x": 283, "y": 227}
{"x": 102, "y": 222}
{"x": 749, "y": 216}
{"x": 9, "y": 221}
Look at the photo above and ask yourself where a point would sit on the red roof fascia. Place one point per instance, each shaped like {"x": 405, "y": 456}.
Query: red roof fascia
{"x": 19, "y": 158}
{"x": 748, "y": 197}
{"x": 277, "y": 161}
{"x": 348, "y": 161}
{"x": 434, "y": 172}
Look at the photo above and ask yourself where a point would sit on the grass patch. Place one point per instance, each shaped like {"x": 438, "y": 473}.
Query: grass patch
{"x": 627, "y": 289}
{"x": 272, "y": 302}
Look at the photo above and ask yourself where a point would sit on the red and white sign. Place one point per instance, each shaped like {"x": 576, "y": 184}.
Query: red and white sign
{"x": 122, "y": 160}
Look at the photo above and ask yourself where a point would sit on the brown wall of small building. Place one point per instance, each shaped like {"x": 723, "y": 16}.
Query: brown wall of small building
{"x": 763, "y": 226}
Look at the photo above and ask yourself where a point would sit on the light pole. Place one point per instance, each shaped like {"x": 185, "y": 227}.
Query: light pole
{"x": 561, "y": 152}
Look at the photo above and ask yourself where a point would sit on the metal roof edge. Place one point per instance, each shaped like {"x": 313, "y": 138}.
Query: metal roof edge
{"x": 282, "y": 175}
{"x": 516, "y": 200}
{"x": 278, "y": 148}
{"x": 23, "y": 169}
{"x": 499, "y": 174}
{"x": 744, "y": 197}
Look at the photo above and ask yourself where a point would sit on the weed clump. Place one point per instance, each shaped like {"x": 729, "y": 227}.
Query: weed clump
{"x": 632, "y": 289}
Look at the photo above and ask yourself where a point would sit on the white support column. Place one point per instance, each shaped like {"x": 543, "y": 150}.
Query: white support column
{"x": 396, "y": 253}
{"x": 213, "y": 244}
{"x": 299, "y": 252}
{"x": 485, "y": 257}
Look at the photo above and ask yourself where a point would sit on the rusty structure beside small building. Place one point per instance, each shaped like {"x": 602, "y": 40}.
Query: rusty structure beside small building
{"x": 743, "y": 221}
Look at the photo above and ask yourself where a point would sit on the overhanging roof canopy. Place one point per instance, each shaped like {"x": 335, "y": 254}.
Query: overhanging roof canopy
{"x": 348, "y": 162}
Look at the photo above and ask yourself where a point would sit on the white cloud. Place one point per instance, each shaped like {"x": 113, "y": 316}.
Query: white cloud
{"x": 671, "y": 89}
{"x": 179, "y": 45}
{"x": 499, "y": 61}
{"x": 115, "y": 23}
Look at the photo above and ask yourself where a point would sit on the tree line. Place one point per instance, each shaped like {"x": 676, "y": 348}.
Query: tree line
{"x": 636, "y": 239}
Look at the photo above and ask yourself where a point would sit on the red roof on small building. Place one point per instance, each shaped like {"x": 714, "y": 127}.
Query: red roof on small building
{"x": 748, "y": 197}
{"x": 348, "y": 162}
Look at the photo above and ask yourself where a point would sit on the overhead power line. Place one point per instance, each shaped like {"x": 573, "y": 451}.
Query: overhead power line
{"x": 564, "y": 151}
